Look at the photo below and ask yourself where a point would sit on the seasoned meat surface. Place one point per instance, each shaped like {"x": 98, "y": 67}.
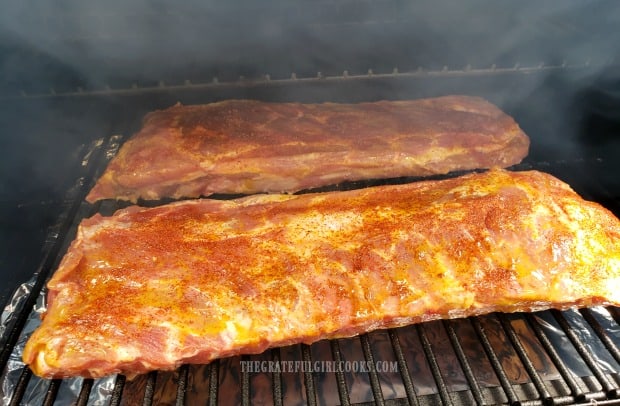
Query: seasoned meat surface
{"x": 192, "y": 281}
{"x": 245, "y": 146}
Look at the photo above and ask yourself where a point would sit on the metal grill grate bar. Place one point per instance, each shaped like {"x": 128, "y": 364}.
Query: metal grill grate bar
{"x": 467, "y": 370}
{"x": 52, "y": 392}
{"x": 403, "y": 368}
{"x": 20, "y": 387}
{"x": 525, "y": 359}
{"x": 245, "y": 383}
{"x": 214, "y": 375}
{"x": 117, "y": 392}
{"x": 343, "y": 392}
{"x": 308, "y": 379}
{"x": 432, "y": 360}
{"x": 495, "y": 362}
{"x": 374, "y": 379}
{"x": 277, "y": 379}
{"x": 149, "y": 389}
{"x": 182, "y": 385}
{"x": 87, "y": 386}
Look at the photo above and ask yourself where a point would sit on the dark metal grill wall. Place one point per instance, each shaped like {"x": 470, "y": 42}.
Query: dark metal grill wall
{"x": 75, "y": 72}
{"x": 73, "y": 43}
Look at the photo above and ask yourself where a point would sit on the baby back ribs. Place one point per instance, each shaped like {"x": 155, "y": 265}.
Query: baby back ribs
{"x": 244, "y": 146}
{"x": 191, "y": 281}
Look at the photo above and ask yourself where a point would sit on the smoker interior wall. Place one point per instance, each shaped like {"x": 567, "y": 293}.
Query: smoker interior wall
{"x": 74, "y": 43}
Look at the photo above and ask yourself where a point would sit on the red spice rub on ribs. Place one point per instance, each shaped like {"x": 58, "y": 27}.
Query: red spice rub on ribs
{"x": 188, "y": 282}
{"x": 245, "y": 146}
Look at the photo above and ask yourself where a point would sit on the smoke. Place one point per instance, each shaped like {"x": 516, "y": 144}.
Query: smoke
{"x": 119, "y": 42}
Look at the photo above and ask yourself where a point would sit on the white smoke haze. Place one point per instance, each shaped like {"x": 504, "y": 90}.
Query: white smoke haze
{"x": 152, "y": 40}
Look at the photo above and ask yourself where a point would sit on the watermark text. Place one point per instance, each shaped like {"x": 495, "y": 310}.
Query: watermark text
{"x": 318, "y": 366}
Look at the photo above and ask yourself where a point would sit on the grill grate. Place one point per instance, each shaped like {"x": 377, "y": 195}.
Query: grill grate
{"x": 544, "y": 358}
